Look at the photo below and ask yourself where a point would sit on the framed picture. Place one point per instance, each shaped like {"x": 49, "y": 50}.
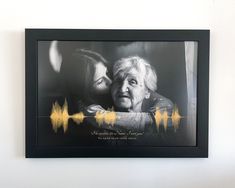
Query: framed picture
{"x": 116, "y": 93}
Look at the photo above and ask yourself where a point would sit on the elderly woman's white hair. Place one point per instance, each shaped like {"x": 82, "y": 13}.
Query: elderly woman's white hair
{"x": 124, "y": 65}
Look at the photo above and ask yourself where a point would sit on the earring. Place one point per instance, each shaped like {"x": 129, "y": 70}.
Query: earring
{"x": 147, "y": 95}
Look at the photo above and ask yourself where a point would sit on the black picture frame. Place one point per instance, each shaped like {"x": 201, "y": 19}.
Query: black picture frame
{"x": 32, "y": 36}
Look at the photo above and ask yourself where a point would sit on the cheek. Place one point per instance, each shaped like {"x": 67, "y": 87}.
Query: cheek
{"x": 114, "y": 89}
{"x": 101, "y": 88}
{"x": 113, "y": 93}
{"x": 137, "y": 93}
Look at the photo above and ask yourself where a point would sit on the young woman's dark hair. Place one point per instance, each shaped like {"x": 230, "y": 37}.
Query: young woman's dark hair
{"x": 85, "y": 78}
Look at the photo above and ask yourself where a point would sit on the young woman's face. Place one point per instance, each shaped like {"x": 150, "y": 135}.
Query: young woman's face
{"x": 101, "y": 82}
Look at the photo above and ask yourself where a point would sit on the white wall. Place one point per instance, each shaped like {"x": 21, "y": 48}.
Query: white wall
{"x": 216, "y": 171}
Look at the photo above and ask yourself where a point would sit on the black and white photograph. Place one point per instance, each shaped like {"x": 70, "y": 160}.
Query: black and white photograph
{"x": 117, "y": 93}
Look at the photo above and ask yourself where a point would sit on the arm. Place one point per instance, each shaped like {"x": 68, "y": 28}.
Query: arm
{"x": 133, "y": 120}
{"x": 111, "y": 120}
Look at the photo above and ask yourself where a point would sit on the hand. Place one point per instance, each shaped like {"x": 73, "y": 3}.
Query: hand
{"x": 92, "y": 109}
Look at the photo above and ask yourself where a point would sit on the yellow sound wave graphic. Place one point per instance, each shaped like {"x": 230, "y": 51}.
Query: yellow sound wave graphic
{"x": 176, "y": 118}
{"x": 78, "y": 117}
{"x": 165, "y": 119}
{"x": 108, "y": 117}
{"x": 60, "y": 116}
{"x": 99, "y": 116}
{"x": 158, "y": 118}
{"x": 161, "y": 117}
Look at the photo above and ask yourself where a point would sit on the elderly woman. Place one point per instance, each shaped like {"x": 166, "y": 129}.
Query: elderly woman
{"x": 134, "y": 94}
{"x": 134, "y": 87}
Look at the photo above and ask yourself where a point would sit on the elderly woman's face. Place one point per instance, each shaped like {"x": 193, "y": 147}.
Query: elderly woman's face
{"x": 100, "y": 81}
{"x": 129, "y": 90}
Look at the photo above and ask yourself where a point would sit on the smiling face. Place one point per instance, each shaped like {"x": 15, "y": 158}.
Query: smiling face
{"x": 129, "y": 90}
{"x": 100, "y": 81}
